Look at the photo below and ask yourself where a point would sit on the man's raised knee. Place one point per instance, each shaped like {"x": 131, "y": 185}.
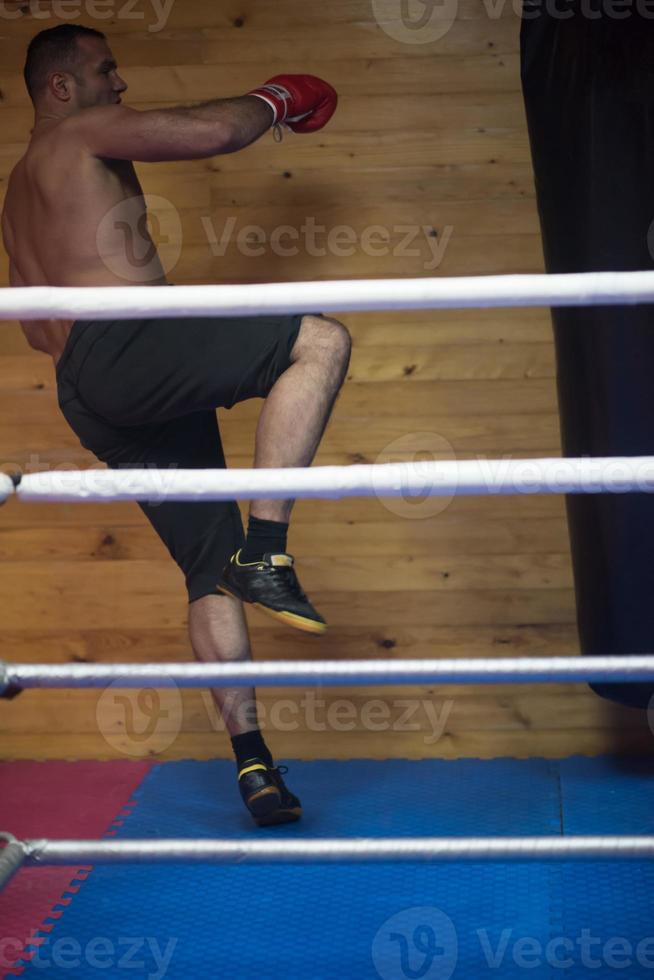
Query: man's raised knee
{"x": 323, "y": 332}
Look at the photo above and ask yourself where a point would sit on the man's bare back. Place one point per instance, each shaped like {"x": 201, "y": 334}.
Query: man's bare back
{"x": 60, "y": 225}
{"x": 53, "y": 227}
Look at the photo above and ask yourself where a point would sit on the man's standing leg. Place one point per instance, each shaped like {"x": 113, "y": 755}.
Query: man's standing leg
{"x": 218, "y": 632}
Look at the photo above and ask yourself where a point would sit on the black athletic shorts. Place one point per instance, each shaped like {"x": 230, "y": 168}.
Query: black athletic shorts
{"x": 143, "y": 393}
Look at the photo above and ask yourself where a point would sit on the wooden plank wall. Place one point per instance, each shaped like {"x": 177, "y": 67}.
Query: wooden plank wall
{"x": 430, "y": 141}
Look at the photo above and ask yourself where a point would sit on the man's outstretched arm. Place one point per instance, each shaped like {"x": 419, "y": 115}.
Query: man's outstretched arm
{"x": 303, "y": 102}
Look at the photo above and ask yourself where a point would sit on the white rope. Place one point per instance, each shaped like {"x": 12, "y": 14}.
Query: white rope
{"x": 17, "y": 854}
{"x": 494, "y": 477}
{"x": 518, "y": 670}
{"x": 578, "y": 289}
{"x": 329, "y": 850}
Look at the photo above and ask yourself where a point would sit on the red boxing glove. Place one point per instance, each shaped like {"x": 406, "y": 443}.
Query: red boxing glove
{"x": 304, "y": 103}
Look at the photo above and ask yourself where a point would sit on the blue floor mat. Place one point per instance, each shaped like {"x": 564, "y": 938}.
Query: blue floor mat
{"x": 424, "y": 922}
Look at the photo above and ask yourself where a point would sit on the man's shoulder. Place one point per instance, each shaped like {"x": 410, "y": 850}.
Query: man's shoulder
{"x": 87, "y": 131}
{"x": 94, "y": 118}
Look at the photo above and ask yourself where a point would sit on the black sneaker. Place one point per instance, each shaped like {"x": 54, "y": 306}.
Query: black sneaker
{"x": 272, "y": 585}
{"x": 258, "y": 790}
{"x": 289, "y": 809}
{"x": 266, "y": 795}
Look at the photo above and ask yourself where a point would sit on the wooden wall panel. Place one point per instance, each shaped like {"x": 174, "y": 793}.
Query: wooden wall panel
{"x": 428, "y": 137}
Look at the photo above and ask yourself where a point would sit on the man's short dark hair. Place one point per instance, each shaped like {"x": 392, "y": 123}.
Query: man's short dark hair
{"x": 55, "y": 48}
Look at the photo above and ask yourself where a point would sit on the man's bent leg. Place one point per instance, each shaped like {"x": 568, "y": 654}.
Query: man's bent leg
{"x": 291, "y": 425}
{"x": 296, "y": 412}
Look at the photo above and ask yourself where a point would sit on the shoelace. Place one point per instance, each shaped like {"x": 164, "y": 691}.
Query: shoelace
{"x": 293, "y": 582}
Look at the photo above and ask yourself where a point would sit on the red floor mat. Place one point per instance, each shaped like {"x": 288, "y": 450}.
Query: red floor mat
{"x": 54, "y": 799}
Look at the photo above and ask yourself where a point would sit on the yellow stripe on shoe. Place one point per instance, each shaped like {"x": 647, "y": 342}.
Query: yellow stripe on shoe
{"x": 277, "y": 561}
{"x": 242, "y": 564}
{"x": 257, "y": 767}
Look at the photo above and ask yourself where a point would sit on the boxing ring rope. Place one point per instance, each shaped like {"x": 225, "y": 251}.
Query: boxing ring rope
{"x": 483, "y": 477}
{"x": 512, "y": 670}
{"x": 327, "y": 850}
{"x": 460, "y": 292}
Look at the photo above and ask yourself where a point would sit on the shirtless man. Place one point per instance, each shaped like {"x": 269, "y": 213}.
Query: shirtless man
{"x": 143, "y": 393}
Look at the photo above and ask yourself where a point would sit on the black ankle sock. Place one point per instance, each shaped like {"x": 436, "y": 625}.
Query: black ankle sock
{"x": 264, "y": 537}
{"x": 251, "y": 746}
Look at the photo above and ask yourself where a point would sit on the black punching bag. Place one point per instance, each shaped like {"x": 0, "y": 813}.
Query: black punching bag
{"x": 588, "y": 82}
